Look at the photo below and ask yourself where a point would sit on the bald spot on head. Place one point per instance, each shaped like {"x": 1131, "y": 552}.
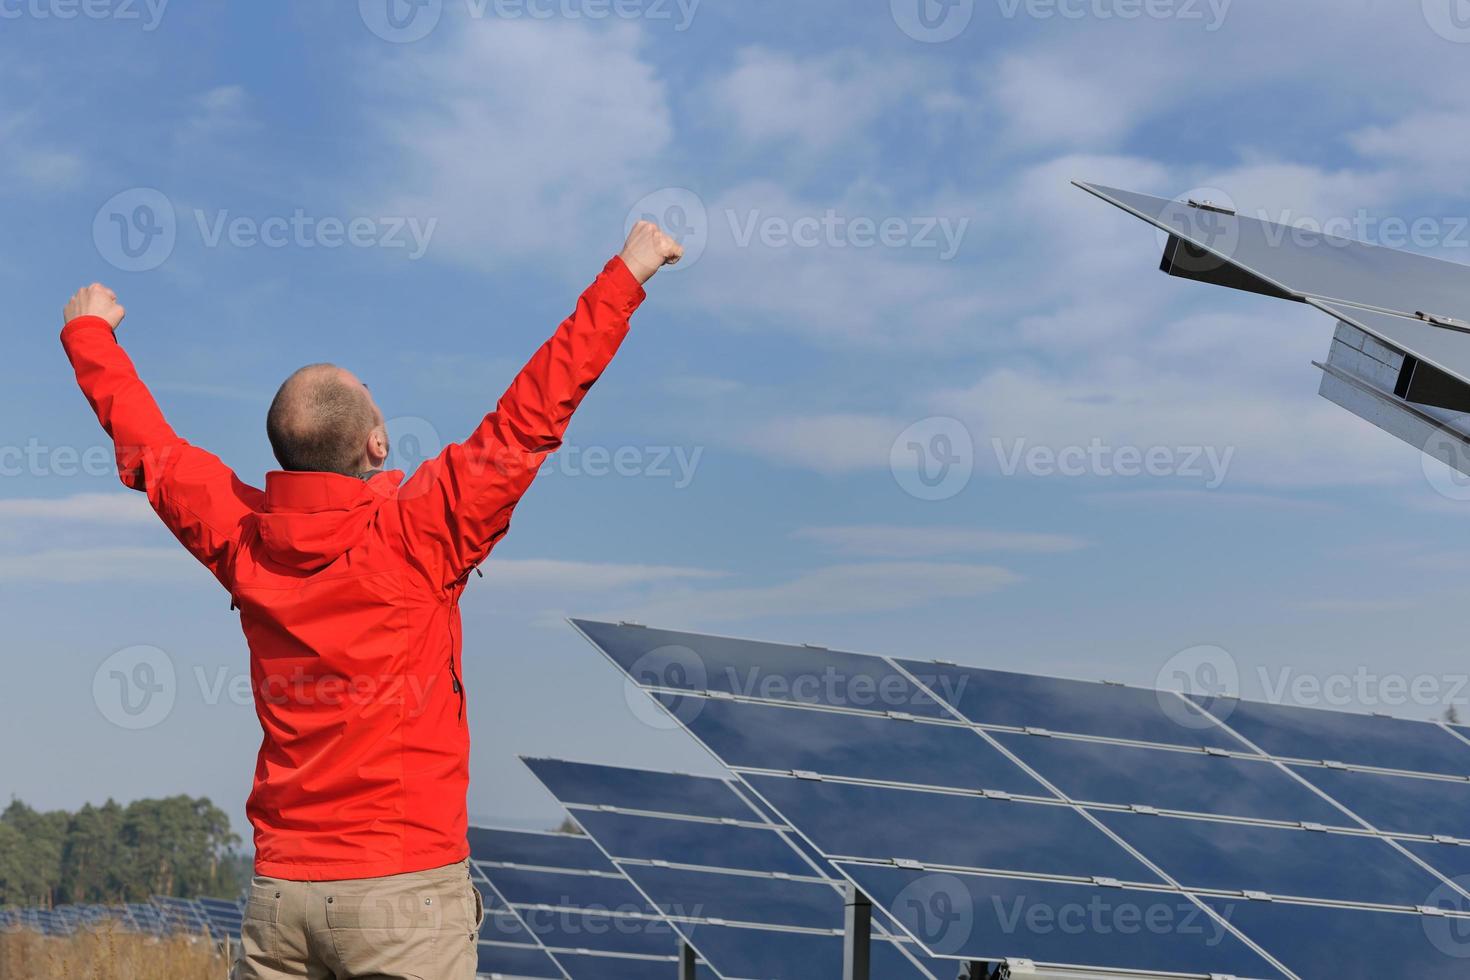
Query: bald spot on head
{"x": 320, "y": 421}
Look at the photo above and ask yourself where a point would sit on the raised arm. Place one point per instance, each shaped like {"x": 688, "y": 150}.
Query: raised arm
{"x": 198, "y": 497}
{"x": 458, "y": 505}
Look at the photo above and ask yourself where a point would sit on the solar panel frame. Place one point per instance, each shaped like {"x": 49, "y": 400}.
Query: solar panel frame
{"x": 1459, "y": 893}
{"x": 696, "y": 927}
{"x": 596, "y": 959}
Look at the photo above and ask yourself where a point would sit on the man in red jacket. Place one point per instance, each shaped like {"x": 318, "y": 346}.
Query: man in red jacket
{"x": 348, "y": 579}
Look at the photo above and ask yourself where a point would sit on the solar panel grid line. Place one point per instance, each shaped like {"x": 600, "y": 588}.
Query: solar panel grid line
{"x": 827, "y": 881}
{"x": 1370, "y": 830}
{"x": 1117, "y": 841}
{"x": 535, "y": 943}
{"x": 1174, "y": 889}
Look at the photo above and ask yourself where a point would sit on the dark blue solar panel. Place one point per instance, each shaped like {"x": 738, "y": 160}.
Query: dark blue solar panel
{"x": 772, "y": 955}
{"x": 1450, "y": 860}
{"x": 501, "y": 924}
{"x": 565, "y": 929}
{"x": 1210, "y": 854}
{"x": 740, "y": 898}
{"x": 1398, "y": 804}
{"x": 1096, "y": 772}
{"x": 539, "y": 850}
{"x": 516, "y": 961}
{"x": 581, "y": 967}
{"x": 749, "y": 668}
{"x": 638, "y": 789}
{"x": 993, "y": 697}
{"x": 1338, "y": 736}
{"x": 945, "y": 829}
{"x": 591, "y": 892}
{"x": 855, "y": 746}
{"x": 990, "y": 918}
{"x": 1316, "y": 941}
{"x": 691, "y": 842}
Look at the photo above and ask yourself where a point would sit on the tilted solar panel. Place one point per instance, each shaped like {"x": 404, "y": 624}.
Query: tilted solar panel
{"x": 1153, "y": 832}
{"x": 754, "y": 903}
{"x": 557, "y": 908}
{"x": 1400, "y": 358}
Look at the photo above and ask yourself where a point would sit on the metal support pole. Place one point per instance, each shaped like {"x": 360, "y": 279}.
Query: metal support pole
{"x": 857, "y": 946}
{"x": 687, "y": 962}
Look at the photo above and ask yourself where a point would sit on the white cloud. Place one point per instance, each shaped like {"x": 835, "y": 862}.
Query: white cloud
{"x": 102, "y": 564}
{"x": 581, "y": 576}
{"x": 830, "y": 444}
{"x": 107, "y": 508}
{"x": 515, "y": 157}
{"x": 895, "y": 541}
{"x": 870, "y": 587}
{"x": 807, "y": 103}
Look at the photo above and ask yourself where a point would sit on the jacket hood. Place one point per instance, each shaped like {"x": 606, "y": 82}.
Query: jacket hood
{"x": 312, "y": 519}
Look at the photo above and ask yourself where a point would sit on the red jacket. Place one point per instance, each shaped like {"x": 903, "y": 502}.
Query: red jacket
{"x": 348, "y": 592}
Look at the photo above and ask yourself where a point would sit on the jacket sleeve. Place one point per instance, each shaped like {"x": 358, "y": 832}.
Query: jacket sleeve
{"x": 197, "y": 496}
{"x": 458, "y": 505}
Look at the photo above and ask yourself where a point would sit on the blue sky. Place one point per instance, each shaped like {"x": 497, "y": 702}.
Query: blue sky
{"x": 885, "y": 252}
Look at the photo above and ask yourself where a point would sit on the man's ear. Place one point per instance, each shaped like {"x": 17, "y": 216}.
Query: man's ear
{"x": 377, "y": 447}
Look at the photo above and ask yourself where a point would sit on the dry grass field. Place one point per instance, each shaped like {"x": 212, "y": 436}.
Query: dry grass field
{"x": 108, "y": 955}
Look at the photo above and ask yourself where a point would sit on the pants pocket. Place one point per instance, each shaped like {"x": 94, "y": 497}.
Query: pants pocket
{"x": 260, "y": 932}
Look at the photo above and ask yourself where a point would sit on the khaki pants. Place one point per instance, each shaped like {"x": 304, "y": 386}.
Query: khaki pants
{"x": 418, "y": 926}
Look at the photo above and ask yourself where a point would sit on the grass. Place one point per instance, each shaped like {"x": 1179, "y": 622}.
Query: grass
{"x": 108, "y": 954}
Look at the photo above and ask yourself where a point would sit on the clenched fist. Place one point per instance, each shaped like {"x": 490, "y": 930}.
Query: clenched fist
{"x": 95, "y": 300}
{"x": 648, "y": 250}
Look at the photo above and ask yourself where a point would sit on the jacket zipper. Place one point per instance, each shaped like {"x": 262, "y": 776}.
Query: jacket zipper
{"x": 458, "y": 687}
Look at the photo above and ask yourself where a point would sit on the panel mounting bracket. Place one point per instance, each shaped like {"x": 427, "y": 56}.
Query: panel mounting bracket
{"x": 1435, "y": 319}
{"x": 1211, "y": 206}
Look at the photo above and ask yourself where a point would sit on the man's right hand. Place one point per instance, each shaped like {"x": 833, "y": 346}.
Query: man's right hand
{"x": 648, "y": 250}
{"x": 95, "y": 300}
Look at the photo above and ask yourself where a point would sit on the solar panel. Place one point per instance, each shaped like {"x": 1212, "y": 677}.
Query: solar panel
{"x": 557, "y": 908}
{"x": 1301, "y": 263}
{"x": 750, "y": 900}
{"x": 1145, "y": 806}
{"x": 1400, "y": 358}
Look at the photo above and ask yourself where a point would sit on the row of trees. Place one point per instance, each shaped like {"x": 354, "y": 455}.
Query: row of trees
{"x": 177, "y": 846}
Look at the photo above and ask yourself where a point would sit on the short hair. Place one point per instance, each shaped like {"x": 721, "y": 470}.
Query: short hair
{"x": 319, "y": 423}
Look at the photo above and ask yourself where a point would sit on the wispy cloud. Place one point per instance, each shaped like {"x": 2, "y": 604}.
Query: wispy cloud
{"x": 895, "y": 541}
{"x": 104, "y": 508}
